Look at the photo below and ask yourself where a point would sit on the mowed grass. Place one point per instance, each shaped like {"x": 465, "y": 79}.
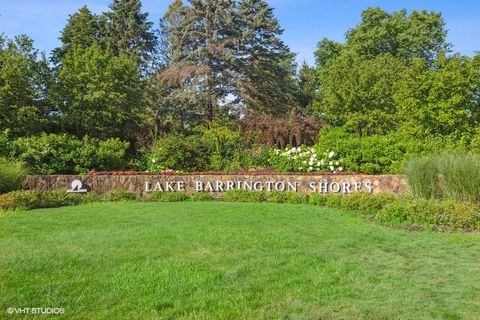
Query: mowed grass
{"x": 216, "y": 260}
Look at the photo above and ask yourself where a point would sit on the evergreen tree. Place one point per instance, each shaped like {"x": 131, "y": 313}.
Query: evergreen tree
{"x": 201, "y": 53}
{"x": 128, "y": 32}
{"x": 82, "y": 30}
{"x": 307, "y": 88}
{"x": 175, "y": 13}
{"x": 265, "y": 64}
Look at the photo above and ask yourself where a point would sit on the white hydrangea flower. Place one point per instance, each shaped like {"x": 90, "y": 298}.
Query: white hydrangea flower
{"x": 340, "y": 169}
{"x": 332, "y": 168}
{"x": 331, "y": 154}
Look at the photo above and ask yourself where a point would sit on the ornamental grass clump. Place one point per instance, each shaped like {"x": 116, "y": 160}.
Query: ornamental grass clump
{"x": 11, "y": 175}
{"x": 448, "y": 175}
{"x": 304, "y": 159}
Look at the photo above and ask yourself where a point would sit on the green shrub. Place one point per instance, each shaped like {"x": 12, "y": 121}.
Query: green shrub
{"x": 201, "y": 196}
{"x": 11, "y": 175}
{"x": 245, "y": 196}
{"x": 374, "y": 154}
{"x": 62, "y": 153}
{"x": 179, "y": 153}
{"x": 317, "y": 199}
{"x": 285, "y": 197}
{"x": 441, "y": 214}
{"x": 382, "y": 154}
{"x": 168, "y": 196}
{"x": 121, "y": 195}
{"x": 5, "y": 143}
{"x": 455, "y": 176}
{"x": 223, "y": 144}
{"x": 27, "y": 199}
{"x": 255, "y": 157}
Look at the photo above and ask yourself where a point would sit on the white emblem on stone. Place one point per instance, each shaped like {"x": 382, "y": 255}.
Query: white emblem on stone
{"x": 77, "y": 187}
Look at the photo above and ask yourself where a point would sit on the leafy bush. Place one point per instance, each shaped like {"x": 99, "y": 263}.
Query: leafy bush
{"x": 27, "y": 199}
{"x": 168, "y": 196}
{"x": 440, "y": 214}
{"x": 11, "y": 175}
{"x": 245, "y": 196}
{"x": 5, "y": 143}
{"x": 179, "y": 153}
{"x": 317, "y": 199}
{"x": 381, "y": 154}
{"x": 365, "y": 203}
{"x": 201, "y": 196}
{"x": 285, "y": 197}
{"x": 373, "y": 154}
{"x": 455, "y": 176}
{"x": 255, "y": 157}
{"x": 213, "y": 148}
{"x": 383, "y": 208}
{"x": 304, "y": 159}
{"x": 62, "y": 153}
{"x": 121, "y": 195}
{"x": 223, "y": 144}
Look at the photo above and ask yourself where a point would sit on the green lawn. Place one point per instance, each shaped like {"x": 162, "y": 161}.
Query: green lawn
{"x": 217, "y": 260}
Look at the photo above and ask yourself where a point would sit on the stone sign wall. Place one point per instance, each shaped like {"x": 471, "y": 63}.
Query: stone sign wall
{"x": 143, "y": 184}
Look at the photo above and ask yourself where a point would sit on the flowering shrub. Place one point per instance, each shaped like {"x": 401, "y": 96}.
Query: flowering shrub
{"x": 304, "y": 159}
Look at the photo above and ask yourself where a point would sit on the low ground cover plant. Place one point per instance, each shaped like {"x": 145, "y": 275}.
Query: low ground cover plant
{"x": 28, "y": 199}
{"x": 386, "y": 209}
{"x": 121, "y": 195}
{"x": 167, "y": 196}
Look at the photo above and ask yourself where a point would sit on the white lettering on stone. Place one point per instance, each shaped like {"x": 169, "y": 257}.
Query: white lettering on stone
{"x": 280, "y": 186}
{"x": 323, "y": 187}
{"x": 180, "y": 185}
{"x": 334, "y": 187}
{"x": 169, "y": 187}
{"x": 158, "y": 187}
{"x": 368, "y": 185}
{"x": 358, "y": 186}
{"x": 147, "y": 187}
{"x": 292, "y": 186}
{"x": 269, "y": 185}
{"x": 208, "y": 187}
{"x": 219, "y": 186}
{"x": 258, "y": 186}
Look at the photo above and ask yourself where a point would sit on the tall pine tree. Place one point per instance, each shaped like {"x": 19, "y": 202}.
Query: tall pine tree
{"x": 265, "y": 64}
{"x": 128, "y": 32}
{"x": 201, "y": 51}
{"x": 82, "y": 30}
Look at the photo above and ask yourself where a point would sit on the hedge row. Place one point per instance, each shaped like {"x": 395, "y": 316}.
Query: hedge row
{"x": 386, "y": 209}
